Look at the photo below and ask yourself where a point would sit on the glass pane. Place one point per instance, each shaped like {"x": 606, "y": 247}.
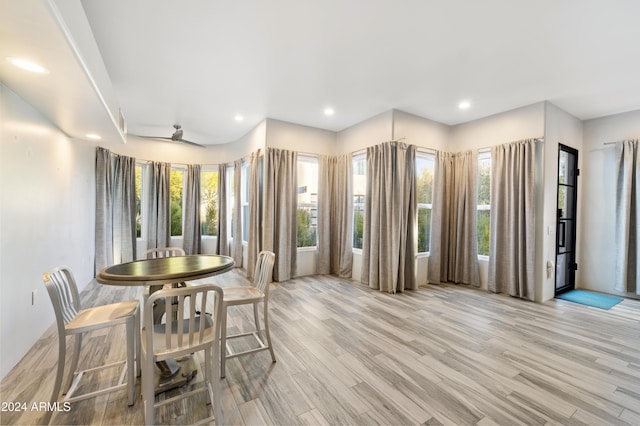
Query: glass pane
{"x": 209, "y": 203}
{"x": 565, "y": 206}
{"x": 424, "y": 179}
{"x": 424, "y": 229}
{"x": 307, "y": 215}
{"x": 176, "y": 202}
{"x": 484, "y": 181}
{"x": 359, "y": 191}
{"x": 358, "y": 220}
{"x": 483, "y": 225}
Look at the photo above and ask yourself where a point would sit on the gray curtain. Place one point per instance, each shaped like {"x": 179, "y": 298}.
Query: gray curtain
{"x": 389, "y": 241}
{"x": 627, "y": 217}
{"x": 255, "y": 212}
{"x": 512, "y": 241}
{"x": 124, "y": 212}
{"x": 104, "y": 206}
{"x": 115, "y": 231}
{"x": 191, "y": 234}
{"x": 159, "y": 223}
{"x": 236, "y": 220}
{"x": 280, "y": 206}
{"x": 223, "y": 230}
{"x": 453, "y": 255}
{"x": 335, "y": 215}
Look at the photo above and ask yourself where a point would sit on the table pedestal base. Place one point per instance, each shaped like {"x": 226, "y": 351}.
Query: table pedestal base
{"x": 186, "y": 370}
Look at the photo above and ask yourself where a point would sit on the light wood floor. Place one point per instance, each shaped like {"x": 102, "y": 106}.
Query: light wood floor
{"x": 349, "y": 355}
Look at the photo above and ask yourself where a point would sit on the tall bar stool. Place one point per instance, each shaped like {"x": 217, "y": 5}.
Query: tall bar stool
{"x": 235, "y": 296}
{"x": 73, "y": 321}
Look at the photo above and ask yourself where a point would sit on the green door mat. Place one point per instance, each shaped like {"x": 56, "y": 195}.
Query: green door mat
{"x": 589, "y": 298}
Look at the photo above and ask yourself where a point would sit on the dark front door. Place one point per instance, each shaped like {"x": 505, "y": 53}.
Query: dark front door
{"x": 566, "y": 223}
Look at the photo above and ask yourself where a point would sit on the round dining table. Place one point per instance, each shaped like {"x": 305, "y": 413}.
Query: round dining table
{"x": 165, "y": 270}
{"x": 154, "y": 273}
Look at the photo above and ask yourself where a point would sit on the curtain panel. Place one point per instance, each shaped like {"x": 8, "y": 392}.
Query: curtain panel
{"x": 280, "y": 206}
{"x": 255, "y": 212}
{"x": 223, "y": 232}
{"x": 627, "y": 226}
{"x": 453, "y": 255}
{"x": 192, "y": 235}
{"x": 236, "y": 219}
{"x": 389, "y": 240}
{"x": 335, "y": 215}
{"x": 104, "y": 207}
{"x": 115, "y": 233}
{"x": 512, "y": 241}
{"x": 159, "y": 223}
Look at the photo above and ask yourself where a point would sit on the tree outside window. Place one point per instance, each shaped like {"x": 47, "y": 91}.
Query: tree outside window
{"x": 209, "y": 203}
{"x": 176, "y": 187}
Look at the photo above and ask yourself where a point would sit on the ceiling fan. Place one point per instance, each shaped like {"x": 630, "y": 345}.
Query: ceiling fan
{"x": 175, "y": 137}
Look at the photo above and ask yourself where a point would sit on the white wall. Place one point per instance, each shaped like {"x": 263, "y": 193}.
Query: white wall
{"x": 421, "y": 131}
{"x": 47, "y": 215}
{"x": 597, "y": 209}
{"x": 521, "y": 123}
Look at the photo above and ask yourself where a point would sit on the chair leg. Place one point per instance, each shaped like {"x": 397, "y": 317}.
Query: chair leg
{"x": 62, "y": 351}
{"x": 138, "y": 344}
{"x": 223, "y": 340}
{"x": 256, "y": 319}
{"x": 266, "y": 330}
{"x": 148, "y": 392}
{"x": 74, "y": 362}
{"x": 131, "y": 364}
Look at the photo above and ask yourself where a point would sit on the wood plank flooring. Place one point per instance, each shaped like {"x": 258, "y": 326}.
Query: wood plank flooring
{"x": 441, "y": 355}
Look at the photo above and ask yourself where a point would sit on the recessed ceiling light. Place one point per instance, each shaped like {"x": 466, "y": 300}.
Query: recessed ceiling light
{"x": 93, "y": 136}
{"x": 238, "y": 118}
{"x": 329, "y": 111}
{"x": 464, "y": 105}
{"x": 28, "y": 65}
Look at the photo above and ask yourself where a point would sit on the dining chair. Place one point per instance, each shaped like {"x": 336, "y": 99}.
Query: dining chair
{"x": 73, "y": 321}
{"x": 244, "y": 295}
{"x": 154, "y": 253}
{"x": 189, "y": 333}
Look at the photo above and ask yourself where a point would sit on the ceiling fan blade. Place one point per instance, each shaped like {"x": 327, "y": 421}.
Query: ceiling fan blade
{"x": 191, "y": 143}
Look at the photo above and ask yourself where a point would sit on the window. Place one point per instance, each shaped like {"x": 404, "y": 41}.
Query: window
{"x": 484, "y": 202}
{"x": 231, "y": 197}
{"x": 307, "y": 214}
{"x": 245, "y": 201}
{"x": 424, "y": 189}
{"x": 209, "y": 203}
{"x": 359, "y": 191}
{"x": 138, "y": 201}
{"x": 176, "y": 202}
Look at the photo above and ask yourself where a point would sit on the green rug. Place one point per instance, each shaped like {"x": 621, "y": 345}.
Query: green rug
{"x": 589, "y": 298}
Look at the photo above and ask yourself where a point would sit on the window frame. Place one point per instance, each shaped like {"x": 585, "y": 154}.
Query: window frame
{"x": 429, "y": 157}
{"x": 482, "y": 157}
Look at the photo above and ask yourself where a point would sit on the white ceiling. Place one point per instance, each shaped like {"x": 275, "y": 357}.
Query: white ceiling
{"x": 200, "y": 62}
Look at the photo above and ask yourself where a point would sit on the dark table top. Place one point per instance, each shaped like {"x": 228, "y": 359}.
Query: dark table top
{"x": 165, "y": 270}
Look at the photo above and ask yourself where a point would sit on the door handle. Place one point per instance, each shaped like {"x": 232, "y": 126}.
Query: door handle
{"x": 561, "y": 234}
